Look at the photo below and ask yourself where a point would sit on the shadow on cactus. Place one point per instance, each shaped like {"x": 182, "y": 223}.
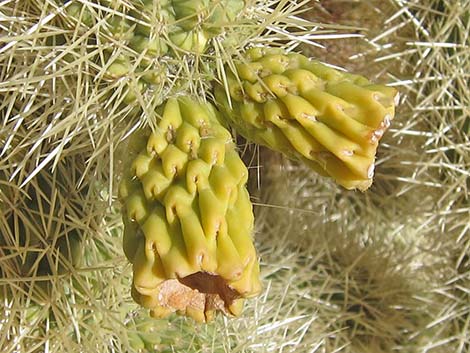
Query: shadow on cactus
{"x": 42, "y": 228}
{"x": 376, "y": 300}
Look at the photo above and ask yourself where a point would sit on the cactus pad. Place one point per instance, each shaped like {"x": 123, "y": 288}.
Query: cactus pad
{"x": 328, "y": 119}
{"x": 187, "y": 215}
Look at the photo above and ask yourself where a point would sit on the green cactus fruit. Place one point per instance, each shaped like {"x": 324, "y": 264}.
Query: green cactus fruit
{"x": 148, "y": 24}
{"x": 81, "y": 14}
{"x": 190, "y": 41}
{"x": 209, "y": 15}
{"x": 328, "y": 119}
{"x": 187, "y": 216}
{"x": 190, "y": 24}
{"x": 143, "y": 334}
{"x": 136, "y": 41}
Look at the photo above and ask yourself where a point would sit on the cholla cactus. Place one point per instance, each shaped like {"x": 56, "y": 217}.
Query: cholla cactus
{"x": 40, "y": 233}
{"x": 81, "y": 76}
{"x": 43, "y": 232}
{"x": 155, "y": 28}
{"x": 330, "y": 120}
{"x": 97, "y": 65}
{"x": 188, "y": 216}
{"x": 111, "y": 64}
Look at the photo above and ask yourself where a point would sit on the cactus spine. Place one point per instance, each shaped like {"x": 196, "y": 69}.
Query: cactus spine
{"x": 39, "y": 237}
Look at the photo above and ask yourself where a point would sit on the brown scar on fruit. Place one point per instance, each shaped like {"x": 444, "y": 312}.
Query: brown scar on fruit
{"x": 198, "y": 295}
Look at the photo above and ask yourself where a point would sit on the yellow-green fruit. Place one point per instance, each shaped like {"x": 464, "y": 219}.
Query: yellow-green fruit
{"x": 187, "y": 215}
{"x": 330, "y": 120}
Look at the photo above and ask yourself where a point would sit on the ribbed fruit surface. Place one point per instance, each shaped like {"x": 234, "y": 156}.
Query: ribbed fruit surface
{"x": 187, "y": 215}
{"x": 330, "y": 120}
